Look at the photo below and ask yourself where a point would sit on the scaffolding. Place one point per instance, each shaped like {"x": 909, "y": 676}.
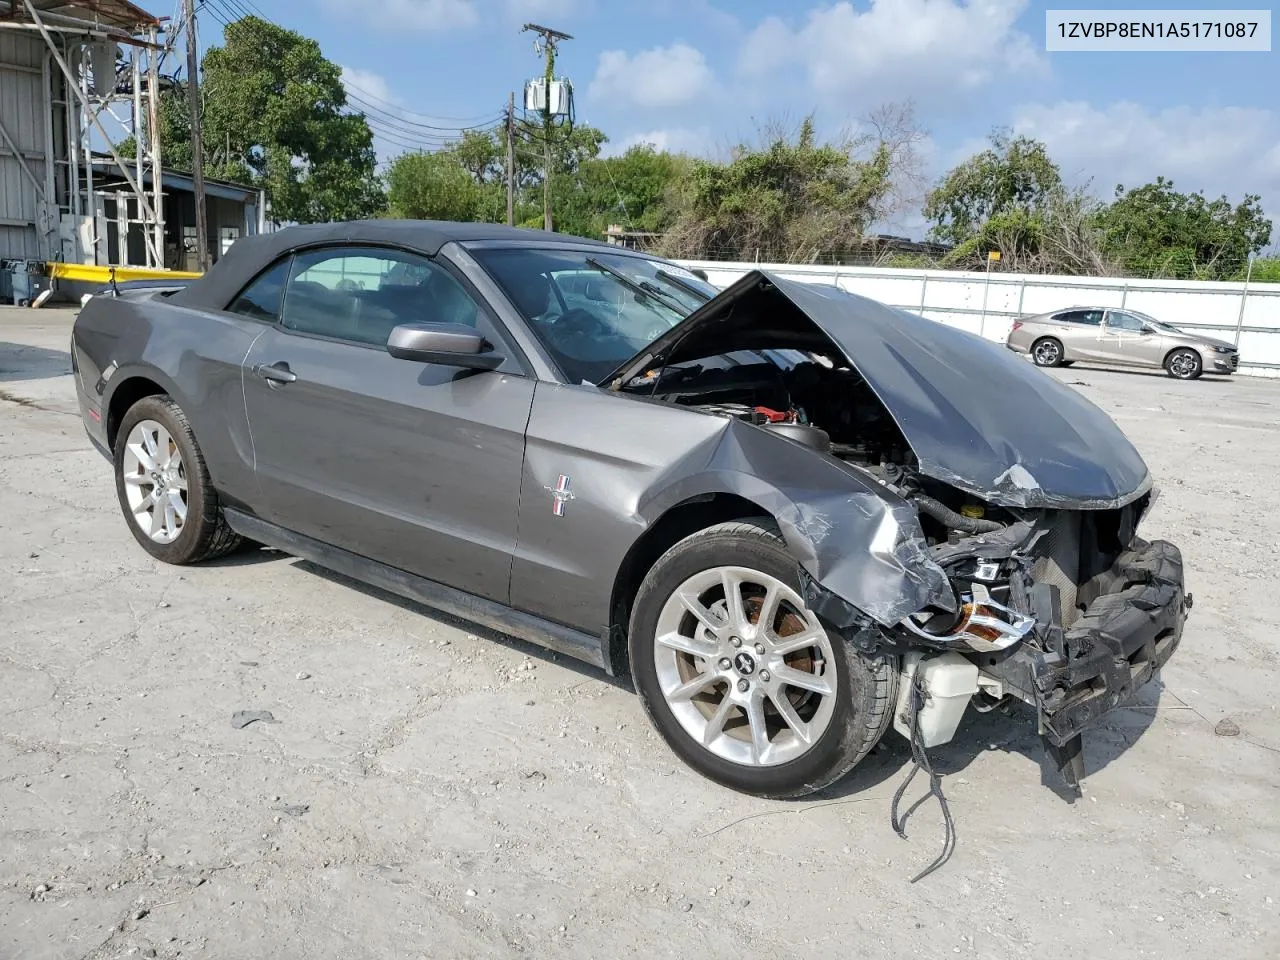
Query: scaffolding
{"x": 100, "y": 61}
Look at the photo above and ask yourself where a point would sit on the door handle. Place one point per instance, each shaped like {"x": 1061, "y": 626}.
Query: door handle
{"x": 275, "y": 372}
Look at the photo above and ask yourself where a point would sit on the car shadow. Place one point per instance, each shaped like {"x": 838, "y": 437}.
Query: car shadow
{"x": 1078, "y": 366}
{"x": 1007, "y": 730}
{"x": 21, "y": 362}
{"x": 247, "y": 555}
{"x": 531, "y": 650}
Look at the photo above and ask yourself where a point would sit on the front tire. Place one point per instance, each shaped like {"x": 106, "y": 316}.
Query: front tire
{"x": 163, "y": 486}
{"x": 740, "y": 679}
{"x": 1183, "y": 364}
{"x": 1047, "y": 352}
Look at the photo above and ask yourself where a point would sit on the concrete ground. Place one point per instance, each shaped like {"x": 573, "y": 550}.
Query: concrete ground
{"x": 430, "y": 790}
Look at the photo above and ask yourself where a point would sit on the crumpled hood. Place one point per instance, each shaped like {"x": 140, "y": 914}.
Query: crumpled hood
{"x": 976, "y": 415}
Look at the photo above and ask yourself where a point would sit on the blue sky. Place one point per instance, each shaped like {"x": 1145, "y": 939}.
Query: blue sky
{"x": 700, "y": 75}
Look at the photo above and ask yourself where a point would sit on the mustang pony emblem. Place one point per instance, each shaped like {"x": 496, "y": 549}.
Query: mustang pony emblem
{"x": 560, "y": 494}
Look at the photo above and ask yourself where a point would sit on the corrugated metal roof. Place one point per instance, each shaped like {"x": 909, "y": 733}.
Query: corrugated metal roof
{"x": 112, "y": 13}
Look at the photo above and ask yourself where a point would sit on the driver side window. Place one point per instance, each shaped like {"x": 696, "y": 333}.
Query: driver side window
{"x": 362, "y": 293}
{"x": 1118, "y": 320}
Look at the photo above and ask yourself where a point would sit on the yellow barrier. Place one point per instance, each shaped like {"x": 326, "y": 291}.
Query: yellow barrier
{"x": 90, "y": 274}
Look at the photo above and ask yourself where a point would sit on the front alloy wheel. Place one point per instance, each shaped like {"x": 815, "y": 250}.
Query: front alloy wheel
{"x": 1183, "y": 365}
{"x": 738, "y": 675}
{"x": 744, "y": 667}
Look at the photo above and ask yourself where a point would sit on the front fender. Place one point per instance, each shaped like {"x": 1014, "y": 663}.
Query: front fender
{"x": 854, "y": 538}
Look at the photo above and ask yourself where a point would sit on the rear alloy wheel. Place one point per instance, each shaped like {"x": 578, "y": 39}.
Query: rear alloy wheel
{"x": 740, "y": 678}
{"x": 1183, "y": 364}
{"x": 1046, "y": 352}
{"x": 163, "y": 486}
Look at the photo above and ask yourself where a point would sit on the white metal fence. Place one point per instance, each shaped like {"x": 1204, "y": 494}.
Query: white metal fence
{"x": 1246, "y": 315}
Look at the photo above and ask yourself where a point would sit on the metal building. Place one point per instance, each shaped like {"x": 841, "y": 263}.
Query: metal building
{"x": 74, "y": 76}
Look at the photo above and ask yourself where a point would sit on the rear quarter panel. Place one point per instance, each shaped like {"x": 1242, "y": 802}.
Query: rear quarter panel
{"x": 195, "y": 356}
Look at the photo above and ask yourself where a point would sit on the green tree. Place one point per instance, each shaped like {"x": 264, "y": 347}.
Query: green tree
{"x": 275, "y": 115}
{"x": 1010, "y": 182}
{"x": 791, "y": 199}
{"x": 482, "y": 154}
{"x": 630, "y": 189}
{"x": 437, "y": 186}
{"x": 1154, "y": 230}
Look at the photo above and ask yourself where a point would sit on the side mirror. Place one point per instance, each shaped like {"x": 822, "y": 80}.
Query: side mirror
{"x": 448, "y": 344}
{"x": 1147, "y": 330}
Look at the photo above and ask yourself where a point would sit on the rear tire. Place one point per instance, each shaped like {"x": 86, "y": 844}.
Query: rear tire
{"x": 778, "y": 710}
{"x": 163, "y": 486}
{"x": 1047, "y": 352}
{"x": 1183, "y": 364}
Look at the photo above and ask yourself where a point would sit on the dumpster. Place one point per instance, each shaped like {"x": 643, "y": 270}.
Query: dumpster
{"x": 28, "y": 281}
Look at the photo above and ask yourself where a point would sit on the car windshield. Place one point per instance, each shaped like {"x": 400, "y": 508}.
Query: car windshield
{"x": 594, "y": 310}
{"x": 1158, "y": 324}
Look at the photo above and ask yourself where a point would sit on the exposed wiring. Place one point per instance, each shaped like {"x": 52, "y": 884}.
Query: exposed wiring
{"x": 920, "y": 761}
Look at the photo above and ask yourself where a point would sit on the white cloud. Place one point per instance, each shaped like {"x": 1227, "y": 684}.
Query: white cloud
{"x": 530, "y": 9}
{"x": 661, "y": 77}
{"x": 1231, "y": 150}
{"x": 367, "y": 85}
{"x": 911, "y": 48}
{"x": 429, "y": 16}
{"x": 697, "y": 142}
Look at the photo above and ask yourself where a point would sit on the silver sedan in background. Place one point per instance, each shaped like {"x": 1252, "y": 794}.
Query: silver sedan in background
{"x": 1101, "y": 335}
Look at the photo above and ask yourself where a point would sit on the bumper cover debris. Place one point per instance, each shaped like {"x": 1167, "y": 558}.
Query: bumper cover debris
{"x": 1123, "y": 637}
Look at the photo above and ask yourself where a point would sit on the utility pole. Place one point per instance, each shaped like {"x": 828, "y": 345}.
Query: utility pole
{"x": 153, "y": 141}
{"x": 511, "y": 160}
{"x": 197, "y": 138}
{"x": 550, "y": 38}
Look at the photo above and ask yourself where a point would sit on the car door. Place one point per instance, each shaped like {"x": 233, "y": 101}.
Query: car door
{"x": 1081, "y": 332}
{"x": 415, "y": 465}
{"x": 1125, "y": 339}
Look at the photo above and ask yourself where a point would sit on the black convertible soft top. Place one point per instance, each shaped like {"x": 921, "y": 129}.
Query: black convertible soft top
{"x": 250, "y": 255}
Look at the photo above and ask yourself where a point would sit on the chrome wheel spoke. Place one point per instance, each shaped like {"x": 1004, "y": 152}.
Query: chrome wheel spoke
{"x": 178, "y": 505}
{"x": 138, "y": 480}
{"x": 759, "y": 728}
{"x": 769, "y": 608}
{"x": 691, "y": 688}
{"x": 715, "y": 725}
{"x": 733, "y": 599}
{"x": 791, "y": 718}
{"x": 701, "y": 613}
{"x": 798, "y": 641}
{"x": 789, "y": 676}
{"x": 143, "y": 456}
{"x": 689, "y": 645}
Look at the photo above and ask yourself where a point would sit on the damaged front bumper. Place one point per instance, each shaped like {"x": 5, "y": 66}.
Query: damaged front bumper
{"x": 1074, "y": 676}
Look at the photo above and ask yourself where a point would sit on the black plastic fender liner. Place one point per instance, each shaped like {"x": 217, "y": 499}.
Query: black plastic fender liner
{"x": 1117, "y": 645}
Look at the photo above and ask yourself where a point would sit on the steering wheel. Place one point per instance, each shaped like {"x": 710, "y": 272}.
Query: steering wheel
{"x": 578, "y": 321}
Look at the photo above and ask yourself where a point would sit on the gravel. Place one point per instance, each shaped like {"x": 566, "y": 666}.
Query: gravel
{"x": 396, "y": 750}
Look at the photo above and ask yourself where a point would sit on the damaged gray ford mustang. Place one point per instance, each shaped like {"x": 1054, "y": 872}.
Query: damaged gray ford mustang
{"x": 795, "y": 516}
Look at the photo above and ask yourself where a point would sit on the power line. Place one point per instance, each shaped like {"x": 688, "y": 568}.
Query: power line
{"x": 246, "y": 8}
